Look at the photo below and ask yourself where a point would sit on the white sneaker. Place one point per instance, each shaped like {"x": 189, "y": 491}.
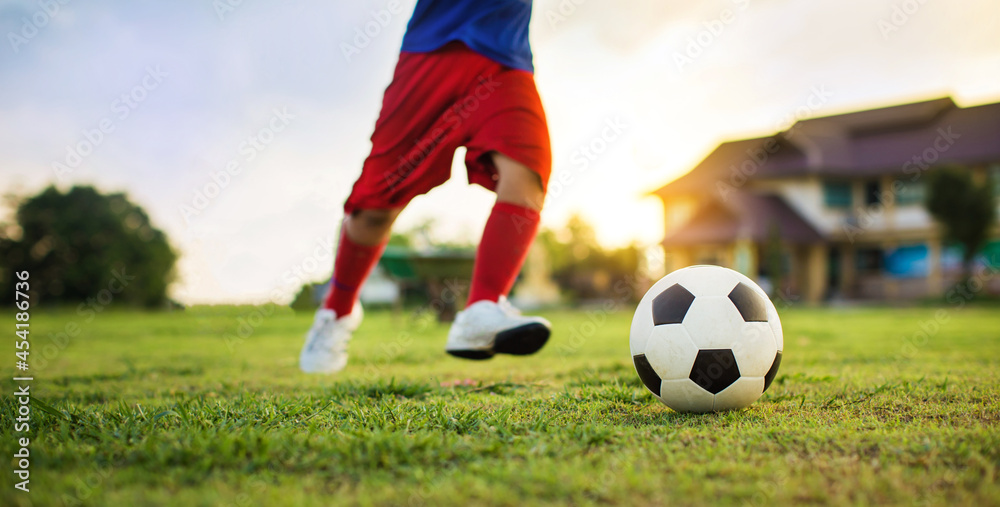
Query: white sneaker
{"x": 486, "y": 328}
{"x": 325, "y": 350}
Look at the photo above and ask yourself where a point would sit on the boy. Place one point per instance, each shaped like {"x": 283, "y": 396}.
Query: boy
{"x": 464, "y": 78}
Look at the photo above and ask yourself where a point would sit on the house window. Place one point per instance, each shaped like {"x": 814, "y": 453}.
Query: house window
{"x": 911, "y": 261}
{"x": 873, "y": 192}
{"x": 869, "y": 260}
{"x": 837, "y": 194}
{"x": 909, "y": 192}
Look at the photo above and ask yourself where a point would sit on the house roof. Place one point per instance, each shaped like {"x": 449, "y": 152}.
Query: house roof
{"x": 743, "y": 215}
{"x": 859, "y": 144}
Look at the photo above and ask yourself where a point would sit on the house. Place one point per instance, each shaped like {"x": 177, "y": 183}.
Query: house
{"x": 833, "y": 207}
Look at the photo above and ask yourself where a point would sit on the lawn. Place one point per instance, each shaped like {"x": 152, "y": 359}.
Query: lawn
{"x": 207, "y": 407}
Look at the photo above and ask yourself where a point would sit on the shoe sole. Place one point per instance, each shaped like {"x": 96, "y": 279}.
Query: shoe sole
{"x": 519, "y": 341}
{"x": 313, "y": 368}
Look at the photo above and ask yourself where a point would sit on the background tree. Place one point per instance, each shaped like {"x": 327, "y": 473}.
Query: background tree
{"x": 305, "y": 299}
{"x": 966, "y": 210}
{"x": 581, "y": 267}
{"x": 79, "y": 243}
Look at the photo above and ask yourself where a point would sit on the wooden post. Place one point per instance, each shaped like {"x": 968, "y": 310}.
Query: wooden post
{"x": 934, "y": 275}
{"x": 817, "y": 273}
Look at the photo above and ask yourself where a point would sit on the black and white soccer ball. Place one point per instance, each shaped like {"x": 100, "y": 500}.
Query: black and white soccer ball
{"x": 706, "y": 338}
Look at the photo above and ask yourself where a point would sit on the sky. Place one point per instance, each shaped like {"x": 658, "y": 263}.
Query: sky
{"x": 240, "y": 125}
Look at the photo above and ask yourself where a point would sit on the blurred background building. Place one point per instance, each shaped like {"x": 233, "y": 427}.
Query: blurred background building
{"x": 835, "y": 206}
{"x": 207, "y": 147}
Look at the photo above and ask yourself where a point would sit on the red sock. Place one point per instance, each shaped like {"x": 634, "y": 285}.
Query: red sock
{"x": 350, "y": 269}
{"x": 508, "y": 234}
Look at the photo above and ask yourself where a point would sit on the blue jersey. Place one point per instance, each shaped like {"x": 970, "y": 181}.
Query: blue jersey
{"x": 496, "y": 29}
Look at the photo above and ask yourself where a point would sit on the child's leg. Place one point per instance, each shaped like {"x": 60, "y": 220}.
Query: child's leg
{"x": 518, "y": 185}
{"x": 362, "y": 239}
{"x": 509, "y": 231}
{"x": 370, "y": 227}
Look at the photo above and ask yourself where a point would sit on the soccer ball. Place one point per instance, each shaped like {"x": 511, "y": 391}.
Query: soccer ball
{"x": 706, "y": 338}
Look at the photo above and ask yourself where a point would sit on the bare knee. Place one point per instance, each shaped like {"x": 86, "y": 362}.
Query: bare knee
{"x": 518, "y": 184}
{"x": 371, "y": 226}
{"x": 374, "y": 218}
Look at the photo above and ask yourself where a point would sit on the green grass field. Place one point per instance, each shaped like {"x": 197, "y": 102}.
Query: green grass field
{"x": 146, "y": 409}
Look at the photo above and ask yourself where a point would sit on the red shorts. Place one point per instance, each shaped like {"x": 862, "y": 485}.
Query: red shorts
{"x": 437, "y": 102}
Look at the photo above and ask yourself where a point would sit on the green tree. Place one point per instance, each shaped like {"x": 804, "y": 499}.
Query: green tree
{"x": 966, "y": 210}
{"x": 305, "y": 300}
{"x": 82, "y": 245}
{"x": 581, "y": 267}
